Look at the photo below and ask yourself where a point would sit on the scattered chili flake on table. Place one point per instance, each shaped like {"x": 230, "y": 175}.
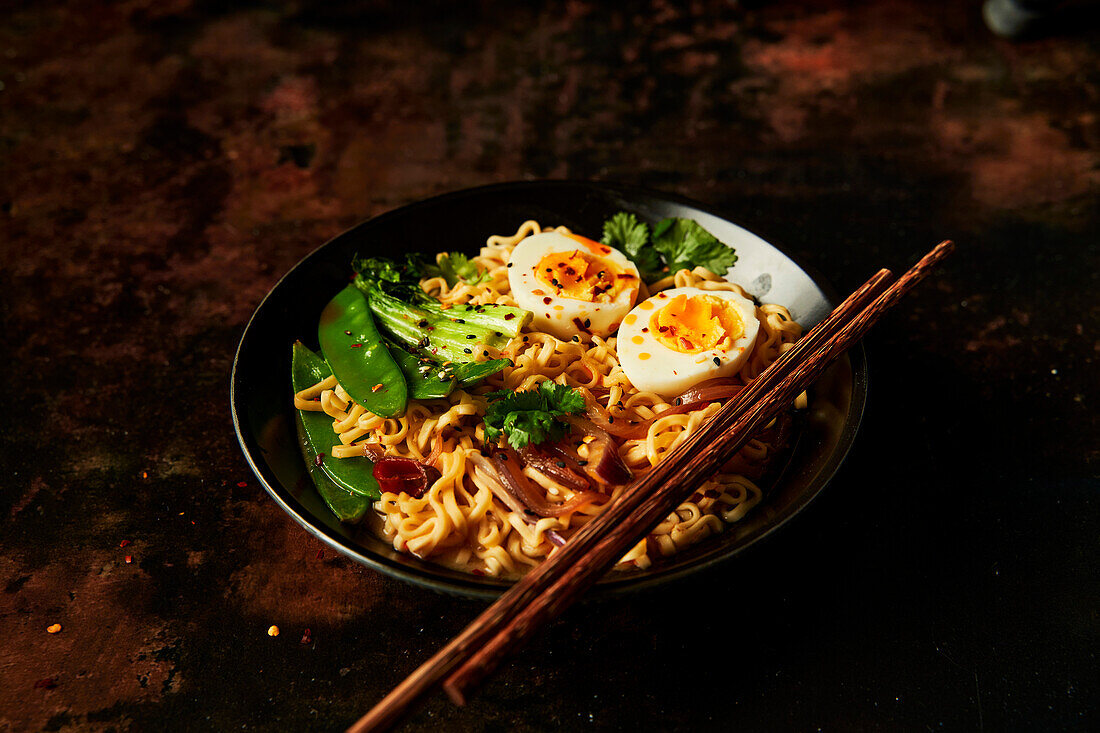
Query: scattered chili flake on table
{"x": 46, "y": 683}
{"x": 53, "y": 628}
{"x": 242, "y": 484}
{"x": 129, "y": 559}
{"x": 307, "y": 637}
{"x": 145, "y": 474}
{"x": 124, "y": 543}
{"x": 273, "y": 631}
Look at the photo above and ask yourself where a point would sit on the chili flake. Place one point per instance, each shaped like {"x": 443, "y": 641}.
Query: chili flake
{"x": 53, "y": 628}
{"x": 377, "y": 387}
{"x": 124, "y": 543}
{"x": 242, "y": 484}
{"x": 273, "y": 631}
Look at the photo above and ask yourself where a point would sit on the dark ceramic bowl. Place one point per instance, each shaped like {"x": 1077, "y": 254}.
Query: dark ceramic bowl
{"x": 260, "y": 392}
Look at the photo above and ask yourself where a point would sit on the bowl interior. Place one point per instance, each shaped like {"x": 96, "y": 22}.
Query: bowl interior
{"x": 261, "y": 392}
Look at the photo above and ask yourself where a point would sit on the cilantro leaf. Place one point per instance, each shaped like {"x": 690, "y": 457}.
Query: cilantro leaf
{"x": 562, "y": 400}
{"x": 624, "y": 232}
{"x": 455, "y": 266}
{"x": 685, "y": 244}
{"x": 674, "y": 244}
{"x": 530, "y": 417}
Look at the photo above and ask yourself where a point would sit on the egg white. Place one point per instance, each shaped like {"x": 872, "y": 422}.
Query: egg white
{"x": 670, "y": 373}
{"x": 555, "y": 313}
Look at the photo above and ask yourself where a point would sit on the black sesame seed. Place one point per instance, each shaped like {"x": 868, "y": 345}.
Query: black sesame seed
{"x": 509, "y": 264}
{"x": 484, "y": 353}
{"x": 717, "y": 361}
{"x": 560, "y": 464}
{"x": 467, "y": 351}
{"x": 459, "y": 320}
{"x": 582, "y": 463}
{"x": 471, "y": 336}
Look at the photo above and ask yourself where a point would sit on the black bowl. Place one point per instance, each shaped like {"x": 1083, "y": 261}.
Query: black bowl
{"x": 260, "y": 391}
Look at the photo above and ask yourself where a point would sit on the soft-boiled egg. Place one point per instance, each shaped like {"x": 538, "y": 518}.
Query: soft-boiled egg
{"x": 683, "y": 336}
{"x": 573, "y": 285}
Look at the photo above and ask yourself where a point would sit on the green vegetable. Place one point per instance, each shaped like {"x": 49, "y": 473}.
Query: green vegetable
{"x": 455, "y": 266}
{"x": 416, "y": 320}
{"x": 531, "y": 416}
{"x": 354, "y": 350}
{"x": 422, "y": 375}
{"x": 623, "y": 231}
{"x": 675, "y": 244}
{"x": 347, "y": 506}
{"x": 685, "y": 244}
{"x": 428, "y": 380}
{"x": 471, "y": 373}
{"x": 347, "y": 485}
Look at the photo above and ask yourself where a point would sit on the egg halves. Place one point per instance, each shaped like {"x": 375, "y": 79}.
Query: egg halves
{"x": 573, "y": 285}
{"x": 683, "y": 336}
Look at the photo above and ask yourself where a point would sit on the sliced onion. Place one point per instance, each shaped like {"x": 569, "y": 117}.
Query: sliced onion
{"x": 712, "y": 390}
{"x": 507, "y": 464}
{"x": 397, "y": 475}
{"x": 605, "y": 465}
{"x": 437, "y": 449}
{"x": 495, "y": 483}
{"x": 373, "y": 451}
{"x": 555, "y": 464}
{"x": 555, "y": 537}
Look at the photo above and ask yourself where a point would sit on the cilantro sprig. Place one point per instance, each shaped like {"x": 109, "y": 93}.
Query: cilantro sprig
{"x": 530, "y": 417}
{"x": 455, "y": 266}
{"x": 674, "y": 244}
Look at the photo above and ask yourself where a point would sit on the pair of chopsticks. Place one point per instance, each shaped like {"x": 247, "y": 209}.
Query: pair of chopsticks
{"x": 553, "y": 585}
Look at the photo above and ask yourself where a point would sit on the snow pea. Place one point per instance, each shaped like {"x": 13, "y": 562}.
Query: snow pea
{"x": 347, "y": 507}
{"x": 361, "y": 362}
{"x": 422, "y": 385}
{"x": 346, "y": 484}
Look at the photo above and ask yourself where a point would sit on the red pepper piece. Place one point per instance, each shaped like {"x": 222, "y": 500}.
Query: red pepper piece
{"x": 398, "y": 475}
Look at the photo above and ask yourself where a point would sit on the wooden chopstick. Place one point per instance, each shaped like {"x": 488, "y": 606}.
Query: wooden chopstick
{"x": 699, "y": 466}
{"x": 527, "y": 589}
{"x": 502, "y": 614}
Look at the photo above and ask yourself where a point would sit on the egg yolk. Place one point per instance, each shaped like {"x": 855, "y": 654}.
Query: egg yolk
{"x": 689, "y": 325}
{"x": 581, "y": 276}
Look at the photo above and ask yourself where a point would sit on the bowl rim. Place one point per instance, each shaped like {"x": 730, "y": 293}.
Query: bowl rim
{"x": 484, "y": 587}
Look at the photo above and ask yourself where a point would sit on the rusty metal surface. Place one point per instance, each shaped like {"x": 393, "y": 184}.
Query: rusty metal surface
{"x": 161, "y": 164}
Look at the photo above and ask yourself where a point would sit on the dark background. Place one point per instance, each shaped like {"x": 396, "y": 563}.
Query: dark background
{"x": 161, "y": 164}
